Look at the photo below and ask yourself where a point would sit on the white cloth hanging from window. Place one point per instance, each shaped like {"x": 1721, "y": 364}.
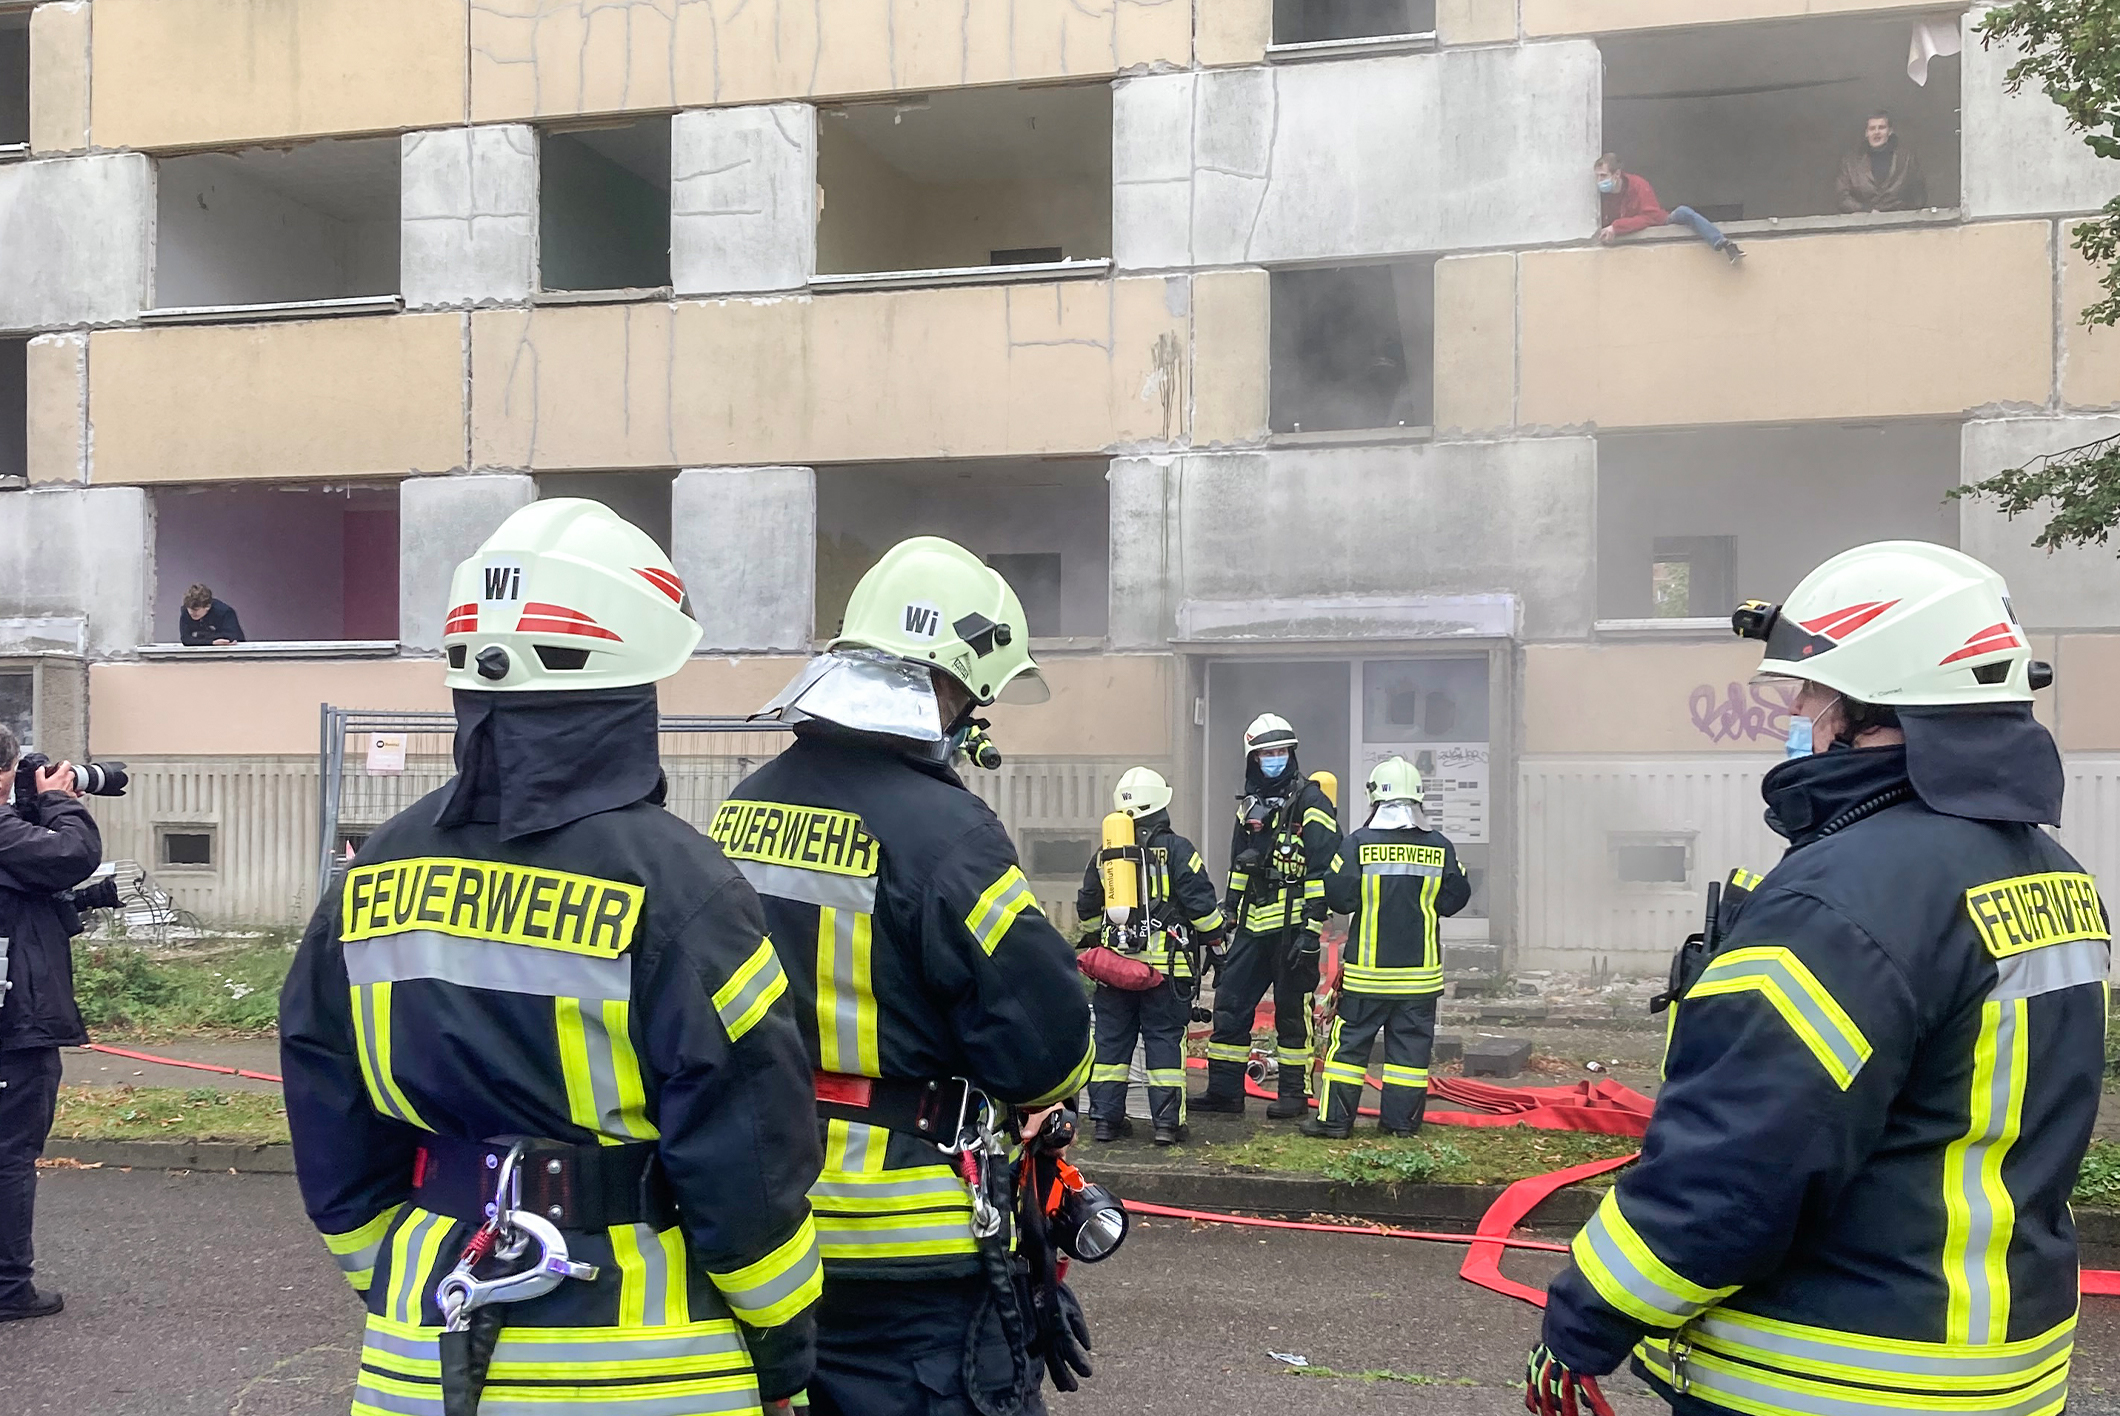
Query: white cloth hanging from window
{"x": 1934, "y": 37}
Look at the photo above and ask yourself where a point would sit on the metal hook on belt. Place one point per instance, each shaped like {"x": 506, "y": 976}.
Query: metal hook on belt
{"x": 508, "y": 1232}
{"x": 977, "y": 1145}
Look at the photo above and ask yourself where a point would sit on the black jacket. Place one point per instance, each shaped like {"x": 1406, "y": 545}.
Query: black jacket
{"x": 1277, "y": 871}
{"x": 1180, "y": 896}
{"x": 38, "y": 863}
{"x": 1395, "y": 884}
{"x": 220, "y": 622}
{"x": 1878, "y": 1092}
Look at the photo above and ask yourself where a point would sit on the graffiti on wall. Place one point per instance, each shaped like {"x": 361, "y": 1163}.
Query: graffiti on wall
{"x": 1742, "y": 712}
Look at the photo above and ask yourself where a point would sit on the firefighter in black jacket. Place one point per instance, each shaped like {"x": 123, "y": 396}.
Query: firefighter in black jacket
{"x": 1177, "y": 916}
{"x": 1881, "y": 1083}
{"x": 1285, "y": 836}
{"x": 539, "y": 956}
{"x": 1397, "y": 879}
{"x": 921, "y": 968}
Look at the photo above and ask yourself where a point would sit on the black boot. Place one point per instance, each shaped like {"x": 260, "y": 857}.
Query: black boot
{"x": 1290, "y": 1103}
{"x": 39, "y": 1304}
{"x": 1112, "y": 1128}
{"x": 1170, "y": 1135}
{"x": 1232, "y": 1105}
{"x": 1323, "y": 1132}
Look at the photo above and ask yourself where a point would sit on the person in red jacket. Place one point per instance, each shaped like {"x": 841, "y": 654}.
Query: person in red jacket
{"x": 1628, "y": 204}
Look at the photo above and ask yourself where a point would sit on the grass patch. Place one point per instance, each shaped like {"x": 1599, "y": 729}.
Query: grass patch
{"x": 207, "y": 989}
{"x": 168, "y": 1113}
{"x": 2098, "y": 1183}
{"x": 1384, "y": 1374}
{"x": 1466, "y": 1155}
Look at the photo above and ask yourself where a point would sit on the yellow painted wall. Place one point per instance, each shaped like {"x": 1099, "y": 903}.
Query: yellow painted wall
{"x": 974, "y": 371}
{"x": 1475, "y": 21}
{"x": 1857, "y": 325}
{"x": 308, "y": 399}
{"x": 1475, "y": 342}
{"x": 169, "y": 73}
{"x": 58, "y": 375}
{"x": 1234, "y": 31}
{"x": 2091, "y": 374}
{"x": 58, "y": 77}
{"x": 2086, "y": 686}
{"x": 1550, "y": 17}
{"x": 1229, "y": 377}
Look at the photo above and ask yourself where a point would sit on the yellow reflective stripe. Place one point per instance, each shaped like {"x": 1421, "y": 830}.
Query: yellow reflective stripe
{"x": 846, "y": 1000}
{"x": 1209, "y": 922}
{"x": 743, "y": 1000}
{"x": 574, "y": 1063}
{"x": 371, "y": 1033}
{"x": 1763, "y": 1391}
{"x": 1744, "y": 879}
{"x": 895, "y": 1236}
{"x": 1980, "y": 1218}
{"x": 1239, "y": 881}
{"x": 606, "y": 1093}
{"x": 1314, "y": 888}
{"x": 851, "y": 1146}
{"x": 1228, "y": 1052}
{"x": 625, "y": 1066}
{"x": 632, "y": 1276}
{"x": 1166, "y": 1076}
{"x": 1396, "y": 1076}
{"x": 356, "y": 1250}
{"x": 1372, "y": 906}
{"x": 413, "y": 1251}
{"x": 1108, "y": 1072}
{"x": 768, "y": 1292}
{"x": 997, "y": 909}
{"x": 1828, "y": 1355}
{"x": 1431, "y": 923}
{"x": 1350, "y": 1072}
{"x": 1817, "y": 1019}
{"x": 1315, "y": 816}
{"x": 1074, "y": 1081}
{"x": 1356, "y": 979}
{"x": 677, "y": 1292}
{"x": 1628, "y": 1274}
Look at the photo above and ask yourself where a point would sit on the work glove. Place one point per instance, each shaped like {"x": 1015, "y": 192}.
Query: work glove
{"x": 1063, "y": 1336}
{"x": 785, "y": 1356}
{"x": 1550, "y": 1389}
{"x": 1216, "y": 944}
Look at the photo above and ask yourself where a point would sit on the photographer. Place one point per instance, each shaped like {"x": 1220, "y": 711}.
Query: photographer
{"x": 40, "y": 862}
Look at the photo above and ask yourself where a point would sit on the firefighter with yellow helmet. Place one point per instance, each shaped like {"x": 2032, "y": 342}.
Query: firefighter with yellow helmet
{"x": 1885, "y": 1065}
{"x": 550, "y": 1103}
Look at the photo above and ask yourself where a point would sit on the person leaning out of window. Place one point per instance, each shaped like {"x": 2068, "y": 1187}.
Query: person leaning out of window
{"x": 207, "y": 621}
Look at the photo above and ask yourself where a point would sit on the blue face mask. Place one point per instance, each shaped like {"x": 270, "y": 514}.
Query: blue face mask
{"x": 1272, "y": 764}
{"x": 1799, "y": 744}
{"x": 1608, "y": 185}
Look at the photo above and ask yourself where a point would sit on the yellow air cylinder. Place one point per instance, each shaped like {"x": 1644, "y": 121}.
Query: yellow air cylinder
{"x": 1330, "y": 785}
{"x": 1121, "y": 869}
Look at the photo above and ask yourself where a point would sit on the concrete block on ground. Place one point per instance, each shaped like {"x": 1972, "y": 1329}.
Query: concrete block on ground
{"x": 79, "y": 236}
{"x": 469, "y": 211}
{"x": 1468, "y": 958}
{"x": 1496, "y": 1056}
{"x": 744, "y": 540}
{"x": 743, "y": 199}
{"x": 72, "y": 557}
{"x": 441, "y": 521}
{"x": 1449, "y": 1047}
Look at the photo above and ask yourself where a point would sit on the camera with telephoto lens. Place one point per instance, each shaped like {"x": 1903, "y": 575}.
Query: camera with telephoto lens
{"x": 94, "y": 778}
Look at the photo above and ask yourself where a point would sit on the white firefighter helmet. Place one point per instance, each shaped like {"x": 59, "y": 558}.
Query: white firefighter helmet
{"x": 1900, "y": 624}
{"x": 566, "y": 594}
{"x": 932, "y": 602}
{"x": 1396, "y": 779}
{"x": 1141, "y": 792}
{"x": 1268, "y": 730}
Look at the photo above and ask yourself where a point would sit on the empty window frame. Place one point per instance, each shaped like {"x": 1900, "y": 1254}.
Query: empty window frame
{"x": 1044, "y": 524}
{"x": 278, "y": 226}
{"x": 18, "y": 705}
{"x": 14, "y": 83}
{"x": 184, "y": 847}
{"x": 294, "y": 563}
{"x": 604, "y": 207}
{"x": 966, "y": 177}
{"x": 1640, "y": 858}
{"x": 1739, "y": 508}
{"x": 1353, "y": 347}
{"x": 643, "y": 498}
{"x": 1315, "y": 21}
{"x": 1746, "y": 122}
{"x": 14, "y": 411}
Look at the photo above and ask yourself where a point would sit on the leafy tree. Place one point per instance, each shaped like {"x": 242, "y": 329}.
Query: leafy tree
{"x": 2071, "y": 48}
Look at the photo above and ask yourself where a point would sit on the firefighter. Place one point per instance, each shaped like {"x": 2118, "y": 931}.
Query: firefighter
{"x": 1283, "y": 845}
{"x": 930, "y": 986}
{"x": 1397, "y": 879}
{"x": 538, "y": 971}
{"x": 1882, "y": 1078}
{"x": 1178, "y": 916}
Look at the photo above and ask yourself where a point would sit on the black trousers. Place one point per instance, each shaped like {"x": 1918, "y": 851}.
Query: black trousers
{"x": 1408, "y": 1026}
{"x": 1256, "y": 962}
{"x": 1157, "y": 1016}
{"x": 889, "y": 1348}
{"x": 29, "y": 1093}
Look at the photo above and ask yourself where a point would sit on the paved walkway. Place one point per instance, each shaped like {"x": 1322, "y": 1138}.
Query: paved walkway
{"x": 102, "y": 1069}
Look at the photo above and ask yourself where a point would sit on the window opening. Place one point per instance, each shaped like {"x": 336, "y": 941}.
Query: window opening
{"x": 1692, "y": 577}
{"x": 18, "y": 706}
{"x": 1353, "y": 347}
{"x": 604, "y": 207}
{"x": 14, "y": 81}
{"x": 268, "y": 226}
{"x": 186, "y": 848}
{"x": 964, "y": 178}
{"x": 292, "y": 563}
{"x": 1035, "y": 577}
{"x": 1315, "y": 21}
{"x": 1651, "y": 860}
{"x": 1050, "y": 855}
{"x": 14, "y": 410}
{"x": 643, "y": 498}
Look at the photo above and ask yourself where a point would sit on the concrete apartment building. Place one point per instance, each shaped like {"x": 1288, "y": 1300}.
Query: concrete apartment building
{"x": 1266, "y": 346}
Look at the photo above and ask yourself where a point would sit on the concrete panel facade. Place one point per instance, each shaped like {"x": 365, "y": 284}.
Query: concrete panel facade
{"x": 1864, "y": 325}
{"x": 174, "y": 73}
{"x": 76, "y": 552}
{"x": 744, "y": 540}
{"x": 78, "y": 232}
{"x": 1475, "y": 342}
{"x": 1233, "y": 31}
{"x": 1476, "y": 21}
{"x": 1551, "y": 17}
{"x": 743, "y": 199}
{"x": 978, "y": 371}
{"x": 441, "y": 521}
{"x": 58, "y": 77}
{"x": 1640, "y": 699}
{"x": 470, "y": 216}
{"x": 2018, "y": 156}
{"x": 58, "y": 409}
{"x": 325, "y": 398}
{"x": 1356, "y": 158}
{"x": 544, "y": 58}
{"x": 2090, "y": 354}
{"x": 1230, "y": 312}
{"x": 2077, "y": 588}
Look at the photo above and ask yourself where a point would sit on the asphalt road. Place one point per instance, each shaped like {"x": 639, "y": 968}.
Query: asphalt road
{"x": 194, "y": 1294}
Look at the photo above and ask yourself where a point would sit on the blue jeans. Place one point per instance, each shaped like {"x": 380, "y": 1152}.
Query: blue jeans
{"x": 1700, "y": 225}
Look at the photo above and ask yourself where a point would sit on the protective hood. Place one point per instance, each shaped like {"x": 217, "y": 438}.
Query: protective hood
{"x": 862, "y": 689}
{"x": 1805, "y": 794}
{"x": 535, "y": 761}
{"x": 1991, "y": 762}
{"x": 1397, "y": 816}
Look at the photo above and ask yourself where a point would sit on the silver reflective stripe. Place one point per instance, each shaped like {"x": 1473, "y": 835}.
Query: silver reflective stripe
{"x": 868, "y": 1147}
{"x": 2053, "y": 968}
{"x": 1400, "y": 867}
{"x": 1822, "y": 1024}
{"x": 762, "y": 1296}
{"x": 837, "y": 1237}
{"x": 1623, "y": 1269}
{"x": 1996, "y": 1129}
{"x": 811, "y": 887}
{"x": 1949, "y": 1361}
{"x": 603, "y": 1079}
{"x": 992, "y": 917}
{"x": 946, "y": 1189}
{"x": 1708, "y": 1379}
{"x": 489, "y": 963}
{"x": 375, "y": 1019}
{"x": 427, "y": 1349}
{"x": 846, "y": 991}
{"x": 655, "y": 1281}
{"x": 406, "y": 1299}
{"x": 742, "y": 1396}
{"x": 403, "y": 1405}
{"x": 765, "y": 976}
{"x": 359, "y": 1259}
{"x": 522, "y": 1345}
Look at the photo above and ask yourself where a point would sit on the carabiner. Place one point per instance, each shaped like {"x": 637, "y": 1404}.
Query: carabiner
{"x": 462, "y": 1292}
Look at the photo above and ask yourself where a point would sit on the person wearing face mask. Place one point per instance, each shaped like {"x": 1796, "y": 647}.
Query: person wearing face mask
{"x": 1282, "y": 849}
{"x": 1880, "y": 1085}
{"x": 932, "y": 991}
{"x": 1627, "y": 204}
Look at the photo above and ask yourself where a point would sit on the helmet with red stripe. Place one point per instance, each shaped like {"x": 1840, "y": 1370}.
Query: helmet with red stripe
{"x": 1901, "y": 624}
{"x": 566, "y": 594}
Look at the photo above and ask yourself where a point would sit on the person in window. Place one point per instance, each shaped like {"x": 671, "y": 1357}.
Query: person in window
{"x": 1627, "y": 204}
{"x": 207, "y": 621}
{"x": 1881, "y": 174}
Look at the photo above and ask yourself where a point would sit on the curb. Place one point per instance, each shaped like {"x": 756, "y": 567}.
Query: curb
{"x": 274, "y": 1158}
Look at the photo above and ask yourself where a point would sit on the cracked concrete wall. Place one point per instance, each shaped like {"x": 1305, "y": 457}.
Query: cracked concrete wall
{"x": 2019, "y": 156}
{"x": 469, "y": 210}
{"x": 79, "y": 554}
{"x": 744, "y": 540}
{"x": 2077, "y": 588}
{"x": 1357, "y": 523}
{"x": 743, "y": 199}
{"x": 77, "y": 232}
{"x": 1356, "y": 158}
{"x": 541, "y": 58}
{"x": 441, "y": 521}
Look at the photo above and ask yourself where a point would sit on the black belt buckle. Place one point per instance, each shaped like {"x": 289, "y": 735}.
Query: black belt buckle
{"x": 942, "y": 1110}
